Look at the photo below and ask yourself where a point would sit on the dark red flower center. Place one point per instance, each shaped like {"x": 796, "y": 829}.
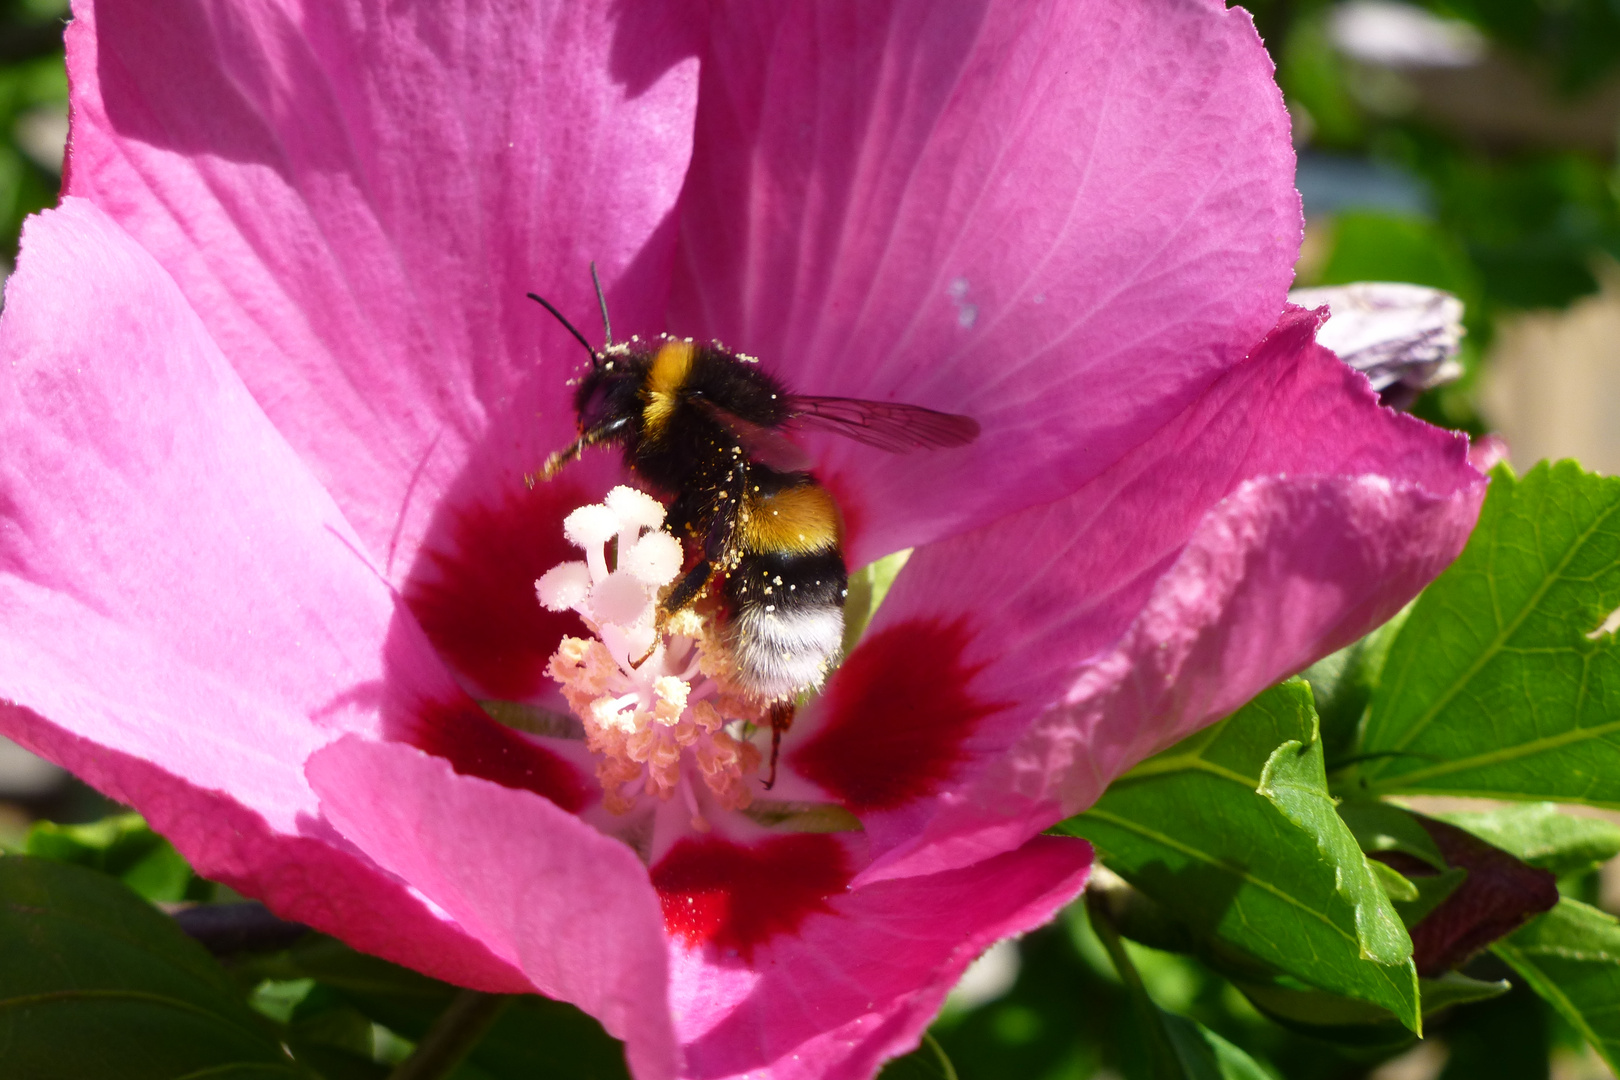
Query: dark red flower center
{"x": 475, "y": 745}
{"x": 898, "y": 717}
{"x": 736, "y": 898}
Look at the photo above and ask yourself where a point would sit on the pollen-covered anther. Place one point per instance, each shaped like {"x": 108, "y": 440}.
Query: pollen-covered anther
{"x": 655, "y": 701}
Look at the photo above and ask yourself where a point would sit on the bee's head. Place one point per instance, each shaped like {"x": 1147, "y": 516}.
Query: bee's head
{"x": 608, "y": 399}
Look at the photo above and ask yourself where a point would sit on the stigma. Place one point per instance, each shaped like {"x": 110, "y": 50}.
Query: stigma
{"x": 659, "y": 710}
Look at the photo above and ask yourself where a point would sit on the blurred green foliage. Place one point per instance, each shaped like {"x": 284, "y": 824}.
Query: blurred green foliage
{"x": 125, "y": 847}
{"x": 33, "y": 112}
{"x": 1509, "y": 219}
{"x": 1579, "y": 40}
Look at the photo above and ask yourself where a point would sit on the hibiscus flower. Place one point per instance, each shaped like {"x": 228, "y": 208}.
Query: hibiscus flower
{"x": 272, "y": 387}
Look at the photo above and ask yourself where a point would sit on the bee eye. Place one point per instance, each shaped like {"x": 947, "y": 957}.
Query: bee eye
{"x": 596, "y": 408}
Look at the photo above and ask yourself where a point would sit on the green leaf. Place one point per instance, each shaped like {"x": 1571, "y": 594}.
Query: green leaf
{"x": 335, "y": 1039}
{"x": 1295, "y": 780}
{"x": 277, "y": 998}
{"x": 1542, "y": 836}
{"x": 97, "y": 982}
{"x": 1431, "y": 893}
{"x": 1204, "y": 1055}
{"x": 532, "y": 1037}
{"x": 817, "y": 817}
{"x": 1373, "y": 245}
{"x": 1382, "y": 829}
{"x": 1341, "y": 1020}
{"x": 1396, "y": 885}
{"x": 927, "y": 1062}
{"x": 1381, "y": 826}
{"x": 123, "y": 846}
{"x": 867, "y": 588}
{"x": 1037, "y": 1030}
{"x": 330, "y": 1064}
{"x": 1343, "y": 683}
{"x": 1280, "y": 881}
{"x": 1166, "y": 1046}
{"x": 1500, "y": 683}
{"x": 1454, "y": 988}
{"x": 1571, "y": 957}
{"x": 533, "y": 719}
{"x": 1312, "y": 73}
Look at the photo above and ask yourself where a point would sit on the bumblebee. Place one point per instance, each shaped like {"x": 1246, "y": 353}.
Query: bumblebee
{"x": 705, "y": 427}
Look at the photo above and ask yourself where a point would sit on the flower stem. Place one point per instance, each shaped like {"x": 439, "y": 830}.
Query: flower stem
{"x": 1162, "y": 1060}
{"x": 946, "y": 1069}
{"x": 453, "y": 1035}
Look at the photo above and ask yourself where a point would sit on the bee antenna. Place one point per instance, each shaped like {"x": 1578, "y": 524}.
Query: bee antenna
{"x": 601, "y": 300}
{"x": 595, "y": 356}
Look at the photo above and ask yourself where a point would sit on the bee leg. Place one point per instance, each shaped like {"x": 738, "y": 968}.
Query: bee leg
{"x": 570, "y": 453}
{"x": 686, "y": 590}
{"x": 554, "y": 464}
{"x": 715, "y": 546}
{"x": 781, "y": 720}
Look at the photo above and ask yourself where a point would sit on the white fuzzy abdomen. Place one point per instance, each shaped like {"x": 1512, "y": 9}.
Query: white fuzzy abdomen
{"x": 780, "y": 653}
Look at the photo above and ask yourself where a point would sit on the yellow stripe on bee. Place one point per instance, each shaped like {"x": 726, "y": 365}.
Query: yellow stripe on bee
{"x": 670, "y": 369}
{"x": 796, "y": 521}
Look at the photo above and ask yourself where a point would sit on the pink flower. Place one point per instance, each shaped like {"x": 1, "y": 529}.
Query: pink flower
{"x": 272, "y": 385}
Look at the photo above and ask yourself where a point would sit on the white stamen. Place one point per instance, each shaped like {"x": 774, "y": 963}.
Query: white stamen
{"x": 617, "y": 598}
{"x": 650, "y": 701}
{"x": 590, "y": 526}
{"x": 698, "y": 822}
{"x": 635, "y": 508}
{"x": 655, "y": 559}
{"x": 564, "y": 586}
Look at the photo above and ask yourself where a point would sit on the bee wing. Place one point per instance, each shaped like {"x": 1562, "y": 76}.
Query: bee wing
{"x": 899, "y": 429}
{"x": 765, "y": 445}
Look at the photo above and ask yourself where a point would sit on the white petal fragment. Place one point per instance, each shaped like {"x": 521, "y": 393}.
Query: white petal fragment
{"x": 1391, "y": 332}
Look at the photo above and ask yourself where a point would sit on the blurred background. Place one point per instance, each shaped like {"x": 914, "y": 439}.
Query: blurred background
{"x": 1469, "y": 145}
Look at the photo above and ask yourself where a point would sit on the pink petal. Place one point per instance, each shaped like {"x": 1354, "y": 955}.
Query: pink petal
{"x": 865, "y": 973}
{"x": 1488, "y": 451}
{"x": 310, "y": 875}
{"x": 828, "y": 989}
{"x": 568, "y": 906}
{"x": 1279, "y": 517}
{"x": 187, "y": 612}
{"x": 1063, "y": 219}
{"x": 355, "y": 197}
